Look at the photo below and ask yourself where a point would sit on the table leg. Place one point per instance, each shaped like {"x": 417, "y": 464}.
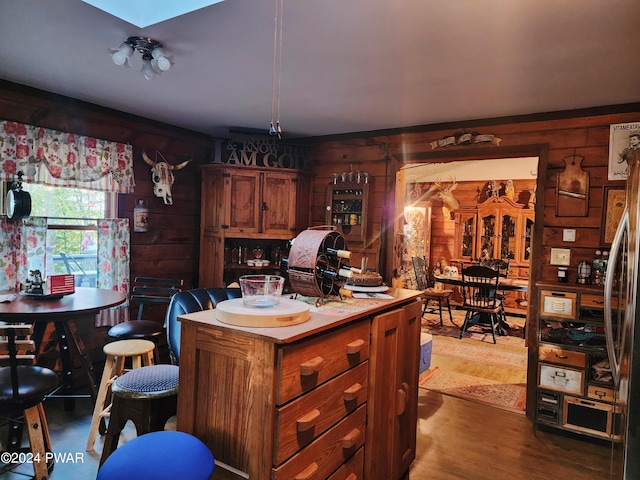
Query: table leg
{"x": 67, "y": 366}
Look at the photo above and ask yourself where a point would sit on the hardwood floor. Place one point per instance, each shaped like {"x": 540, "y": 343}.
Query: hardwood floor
{"x": 460, "y": 440}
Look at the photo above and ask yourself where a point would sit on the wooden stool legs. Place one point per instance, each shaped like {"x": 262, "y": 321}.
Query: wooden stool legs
{"x": 140, "y": 352}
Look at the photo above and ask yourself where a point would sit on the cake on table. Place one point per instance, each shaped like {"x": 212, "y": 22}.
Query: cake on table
{"x": 366, "y": 279}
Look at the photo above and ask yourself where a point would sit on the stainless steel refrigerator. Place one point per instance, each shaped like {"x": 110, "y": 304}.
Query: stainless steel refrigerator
{"x": 622, "y": 308}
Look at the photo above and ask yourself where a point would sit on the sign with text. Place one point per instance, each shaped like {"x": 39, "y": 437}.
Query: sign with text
{"x": 257, "y": 151}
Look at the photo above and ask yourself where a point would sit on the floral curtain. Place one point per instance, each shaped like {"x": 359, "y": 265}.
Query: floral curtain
{"x": 64, "y": 159}
{"x": 113, "y": 266}
{"x": 22, "y": 248}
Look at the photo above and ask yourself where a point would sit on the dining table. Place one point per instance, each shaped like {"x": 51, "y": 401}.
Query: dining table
{"x": 504, "y": 284}
{"x": 64, "y": 311}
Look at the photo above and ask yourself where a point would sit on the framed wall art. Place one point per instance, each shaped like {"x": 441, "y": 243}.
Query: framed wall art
{"x": 623, "y": 138}
{"x": 613, "y": 203}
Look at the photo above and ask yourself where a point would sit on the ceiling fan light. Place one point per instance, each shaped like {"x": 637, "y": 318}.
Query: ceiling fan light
{"x": 147, "y": 70}
{"x": 164, "y": 63}
{"x": 158, "y": 52}
{"x": 121, "y": 55}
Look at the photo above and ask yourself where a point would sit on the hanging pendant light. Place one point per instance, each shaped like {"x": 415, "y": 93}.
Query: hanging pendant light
{"x": 276, "y": 130}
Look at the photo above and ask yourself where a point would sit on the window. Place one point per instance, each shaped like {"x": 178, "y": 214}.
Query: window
{"x": 71, "y": 227}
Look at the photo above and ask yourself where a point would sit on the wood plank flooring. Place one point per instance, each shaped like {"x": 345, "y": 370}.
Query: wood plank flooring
{"x": 461, "y": 440}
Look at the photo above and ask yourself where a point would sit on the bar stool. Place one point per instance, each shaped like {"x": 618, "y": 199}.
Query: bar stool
{"x": 148, "y": 396}
{"x": 165, "y": 455}
{"x": 140, "y": 352}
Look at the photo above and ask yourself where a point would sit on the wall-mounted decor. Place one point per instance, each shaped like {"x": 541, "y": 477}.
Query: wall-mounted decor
{"x": 624, "y": 138}
{"x": 465, "y": 138}
{"x": 613, "y": 203}
{"x": 572, "y": 189}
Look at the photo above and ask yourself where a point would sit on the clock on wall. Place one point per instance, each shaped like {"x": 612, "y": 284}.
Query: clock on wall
{"x": 18, "y": 201}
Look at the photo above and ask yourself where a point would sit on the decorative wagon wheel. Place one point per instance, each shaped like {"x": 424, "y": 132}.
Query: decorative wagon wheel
{"x": 314, "y": 262}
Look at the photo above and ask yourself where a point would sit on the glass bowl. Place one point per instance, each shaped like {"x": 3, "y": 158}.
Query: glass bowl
{"x": 260, "y": 291}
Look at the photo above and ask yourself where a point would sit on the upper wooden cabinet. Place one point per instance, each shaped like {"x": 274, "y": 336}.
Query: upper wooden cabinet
{"x": 248, "y": 203}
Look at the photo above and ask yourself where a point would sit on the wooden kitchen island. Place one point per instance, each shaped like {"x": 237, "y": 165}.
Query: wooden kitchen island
{"x": 333, "y": 398}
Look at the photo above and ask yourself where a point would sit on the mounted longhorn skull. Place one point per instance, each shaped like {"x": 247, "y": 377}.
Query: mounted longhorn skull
{"x": 162, "y": 176}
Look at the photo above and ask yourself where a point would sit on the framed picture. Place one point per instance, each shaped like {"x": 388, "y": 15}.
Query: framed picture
{"x": 613, "y": 202}
{"x": 623, "y": 138}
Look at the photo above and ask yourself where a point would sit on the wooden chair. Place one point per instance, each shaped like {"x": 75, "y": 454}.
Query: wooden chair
{"x": 147, "y": 291}
{"x": 479, "y": 287}
{"x": 23, "y": 387}
{"x": 430, "y": 294}
{"x": 502, "y": 266}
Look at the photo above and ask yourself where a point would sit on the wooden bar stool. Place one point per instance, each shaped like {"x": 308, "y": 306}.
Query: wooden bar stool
{"x": 140, "y": 352}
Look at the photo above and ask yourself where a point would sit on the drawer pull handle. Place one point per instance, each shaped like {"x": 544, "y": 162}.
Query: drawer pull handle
{"x": 352, "y": 392}
{"x": 308, "y": 473}
{"x": 311, "y": 367}
{"x": 401, "y": 399}
{"x": 563, "y": 357}
{"x": 350, "y": 439}
{"x": 600, "y": 394}
{"x": 355, "y": 347}
{"x": 352, "y": 476}
{"x": 308, "y": 420}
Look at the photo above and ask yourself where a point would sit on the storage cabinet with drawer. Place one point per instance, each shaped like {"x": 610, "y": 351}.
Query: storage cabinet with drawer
{"x": 309, "y": 401}
{"x": 575, "y": 387}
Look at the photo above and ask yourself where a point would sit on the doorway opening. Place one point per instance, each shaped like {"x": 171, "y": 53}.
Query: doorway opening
{"x": 462, "y": 212}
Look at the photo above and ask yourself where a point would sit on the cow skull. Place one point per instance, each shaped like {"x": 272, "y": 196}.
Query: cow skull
{"x": 162, "y": 176}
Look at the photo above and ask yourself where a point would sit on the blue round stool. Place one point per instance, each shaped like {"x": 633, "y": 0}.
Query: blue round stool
{"x": 159, "y": 455}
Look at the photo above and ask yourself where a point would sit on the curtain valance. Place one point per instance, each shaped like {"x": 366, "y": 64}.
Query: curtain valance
{"x": 71, "y": 160}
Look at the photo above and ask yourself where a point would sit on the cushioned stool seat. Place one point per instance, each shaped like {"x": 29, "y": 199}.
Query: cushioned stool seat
{"x": 159, "y": 456}
{"x": 147, "y": 396}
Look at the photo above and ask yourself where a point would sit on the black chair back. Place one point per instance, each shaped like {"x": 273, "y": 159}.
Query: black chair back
{"x": 190, "y": 301}
{"x": 148, "y": 290}
{"x": 479, "y": 285}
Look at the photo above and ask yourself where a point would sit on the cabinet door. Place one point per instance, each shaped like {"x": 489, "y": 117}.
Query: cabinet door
{"x": 242, "y": 192}
{"x": 508, "y": 236}
{"x": 465, "y": 235}
{"x": 278, "y": 205}
{"x": 212, "y": 202}
{"x": 488, "y": 225}
{"x": 526, "y": 223}
{"x": 392, "y": 405}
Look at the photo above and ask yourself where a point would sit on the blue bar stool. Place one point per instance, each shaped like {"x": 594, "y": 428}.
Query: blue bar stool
{"x": 164, "y": 455}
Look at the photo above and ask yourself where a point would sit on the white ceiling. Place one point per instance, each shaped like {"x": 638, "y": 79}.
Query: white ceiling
{"x": 347, "y": 65}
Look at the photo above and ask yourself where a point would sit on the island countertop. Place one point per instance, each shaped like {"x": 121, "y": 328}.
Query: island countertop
{"x": 331, "y": 314}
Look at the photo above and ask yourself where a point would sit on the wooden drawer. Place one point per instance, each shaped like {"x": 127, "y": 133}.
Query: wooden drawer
{"x": 600, "y": 393}
{"x": 550, "y": 353}
{"x": 352, "y": 468}
{"x": 560, "y": 305}
{"x": 553, "y": 377}
{"x": 325, "y": 454}
{"x": 309, "y": 363}
{"x": 301, "y": 421}
{"x": 595, "y": 302}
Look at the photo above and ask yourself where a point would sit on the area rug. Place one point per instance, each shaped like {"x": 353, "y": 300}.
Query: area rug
{"x": 513, "y": 357}
{"x": 431, "y": 324}
{"x": 480, "y": 390}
